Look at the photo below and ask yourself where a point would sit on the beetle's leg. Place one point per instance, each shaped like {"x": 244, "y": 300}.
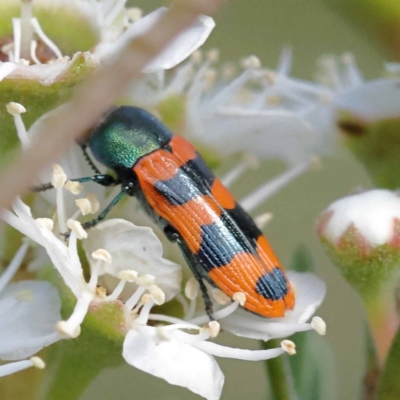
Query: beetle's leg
{"x": 101, "y": 179}
{"x": 89, "y": 160}
{"x": 174, "y": 237}
{"x": 41, "y": 188}
{"x": 206, "y": 298}
{"x": 90, "y": 224}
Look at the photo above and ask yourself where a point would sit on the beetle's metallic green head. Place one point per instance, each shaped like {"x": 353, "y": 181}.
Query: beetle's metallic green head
{"x": 125, "y": 135}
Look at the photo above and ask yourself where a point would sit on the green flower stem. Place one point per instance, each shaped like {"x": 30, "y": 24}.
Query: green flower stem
{"x": 276, "y": 372}
{"x": 383, "y": 320}
{"x": 373, "y": 369}
{"x": 389, "y": 383}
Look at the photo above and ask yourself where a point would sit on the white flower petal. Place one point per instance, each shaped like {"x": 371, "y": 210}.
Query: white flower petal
{"x": 310, "y": 291}
{"x": 178, "y": 50}
{"x": 6, "y": 68}
{"x": 371, "y": 212}
{"x": 47, "y": 74}
{"x": 275, "y": 134}
{"x": 176, "y": 362}
{"x": 134, "y": 248}
{"x": 374, "y": 100}
{"x": 29, "y": 311}
{"x": 65, "y": 259}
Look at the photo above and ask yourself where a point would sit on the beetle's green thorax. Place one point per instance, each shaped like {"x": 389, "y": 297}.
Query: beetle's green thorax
{"x": 126, "y": 135}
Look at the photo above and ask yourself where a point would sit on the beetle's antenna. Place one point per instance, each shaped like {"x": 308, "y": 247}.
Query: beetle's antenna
{"x": 89, "y": 160}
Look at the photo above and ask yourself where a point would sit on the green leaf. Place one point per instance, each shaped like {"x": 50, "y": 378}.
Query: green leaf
{"x": 389, "y": 383}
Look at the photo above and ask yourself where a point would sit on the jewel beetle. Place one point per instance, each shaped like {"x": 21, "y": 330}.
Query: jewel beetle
{"x": 219, "y": 240}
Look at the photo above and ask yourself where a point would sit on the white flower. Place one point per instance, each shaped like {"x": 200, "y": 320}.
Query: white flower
{"x": 187, "y": 359}
{"x": 134, "y": 248}
{"x": 29, "y": 311}
{"x": 108, "y": 20}
{"x": 374, "y": 215}
{"x": 310, "y": 292}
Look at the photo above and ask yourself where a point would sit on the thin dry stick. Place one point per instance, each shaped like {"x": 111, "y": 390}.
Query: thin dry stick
{"x": 95, "y": 96}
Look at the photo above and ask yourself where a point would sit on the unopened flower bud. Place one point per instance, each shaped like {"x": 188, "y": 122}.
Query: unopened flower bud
{"x": 361, "y": 234}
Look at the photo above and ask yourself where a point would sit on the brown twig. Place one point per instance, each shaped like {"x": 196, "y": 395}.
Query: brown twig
{"x": 94, "y": 97}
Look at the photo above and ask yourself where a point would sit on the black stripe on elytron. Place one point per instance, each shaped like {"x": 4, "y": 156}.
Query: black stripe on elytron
{"x": 220, "y": 244}
{"x": 199, "y": 171}
{"x": 178, "y": 190}
{"x": 272, "y": 285}
{"x": 245, "y": 222}
{"x": 191, "y": 180}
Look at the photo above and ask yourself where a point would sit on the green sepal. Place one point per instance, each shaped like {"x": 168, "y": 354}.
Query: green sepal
{"x": 38, "y": 98}
{"x": 370, "y": 270}
{"x": 376, "y": 145}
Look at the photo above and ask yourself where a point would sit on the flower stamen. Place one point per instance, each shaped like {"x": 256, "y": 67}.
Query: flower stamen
{"x": 26, "y": 28}
{"x": 16, "y": 109}
{"x": 319, "y": 325}
{"x": 49, "y": 43}
{"x": 17, "y": 366}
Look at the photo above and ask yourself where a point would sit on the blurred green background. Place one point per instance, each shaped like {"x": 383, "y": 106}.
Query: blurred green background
{"x": 263, "y": 28}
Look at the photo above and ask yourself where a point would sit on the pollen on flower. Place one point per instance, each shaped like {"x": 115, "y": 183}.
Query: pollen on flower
{"x": 94, "y": 203}
{"x": 319, "y": 325}
{"x": 220, "y": 297}
{"x": 215, "y": 328}
{"x": 128, "y": 275}
{"x": 76, "y": 227}
{"x": 45, "y": 223}
{"x": 192, "y": 288}
{"x": 252, "y": 62}
{"x": 197, "y": 56}
{"x": 213, "y": 55}
{"x": 101, "y": 292}
{"x": 263, "y": 219}
{"x": 83, "y": 205}
{"x": 59, "y": 177}
{"x": 157, "y": 294}
{"x": 145, "y": 280}
{"x": 38, "y": 362}
{"x": 289, "y": 347}
{"x": 146, "y": 298}
{"x": 15, "y": 109}
{"x": 73, "y": 187}
{"x": 240, "y": 298}
{"x": 67, "y": 329}
{"x": 134, "y": 14}
{"x": 103, "y": 255}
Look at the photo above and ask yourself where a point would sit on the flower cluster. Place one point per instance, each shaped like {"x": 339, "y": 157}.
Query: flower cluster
{"x": 128, "y": 272}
